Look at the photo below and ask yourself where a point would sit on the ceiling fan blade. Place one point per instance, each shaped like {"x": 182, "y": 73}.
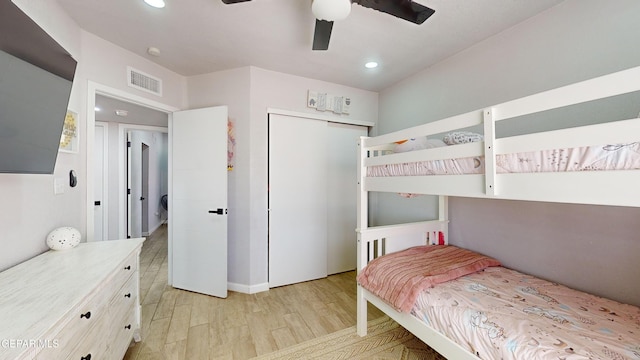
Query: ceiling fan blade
{"x": 322, "y": 34}
{"x": 403, "y": 9}
{"x": 233, "y": 1}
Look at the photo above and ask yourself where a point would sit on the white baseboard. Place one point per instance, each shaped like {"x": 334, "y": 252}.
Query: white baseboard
{"x": 248, "y": 289}
{"x": 156, "y": 227}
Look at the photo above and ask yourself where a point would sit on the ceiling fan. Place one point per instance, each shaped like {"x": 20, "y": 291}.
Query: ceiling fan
{"x": 328, "y": 11}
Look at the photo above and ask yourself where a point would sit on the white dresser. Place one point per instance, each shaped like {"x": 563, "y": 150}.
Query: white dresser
{"x": 80, "y": 304}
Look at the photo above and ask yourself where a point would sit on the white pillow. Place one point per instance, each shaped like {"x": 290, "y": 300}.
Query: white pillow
{"x": 412, "y": 144}
{"x": 418, "y": 143}
{"x": 462, "y": 137}
{"x": 434, "y": 143}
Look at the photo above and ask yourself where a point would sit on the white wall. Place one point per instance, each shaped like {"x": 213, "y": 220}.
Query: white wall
{"x": 576, "y": 40}
{"x": 30, "y": 209}
{"x": 249, "y": 92}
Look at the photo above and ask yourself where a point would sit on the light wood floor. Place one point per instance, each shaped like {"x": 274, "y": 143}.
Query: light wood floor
{"x": 178, "y": 324}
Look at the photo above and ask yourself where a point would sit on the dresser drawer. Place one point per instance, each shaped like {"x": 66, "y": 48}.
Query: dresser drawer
{"x": 125, "y": 271}
{"x": 94, "y": 345}
{"x": 125, "y": 298}
{"x": 81, "y": 320}
{"x": 121, "y": 333}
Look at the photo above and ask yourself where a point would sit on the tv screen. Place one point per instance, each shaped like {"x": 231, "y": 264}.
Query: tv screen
{"x": 36, "y": 75}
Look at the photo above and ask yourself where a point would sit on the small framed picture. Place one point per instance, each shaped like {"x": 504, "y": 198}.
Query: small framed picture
{"x": 69, "y": 138}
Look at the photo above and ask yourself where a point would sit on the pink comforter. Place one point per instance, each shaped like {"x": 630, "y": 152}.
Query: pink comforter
{"x": 500, "y": 313}
{"x": 398, "y": 278}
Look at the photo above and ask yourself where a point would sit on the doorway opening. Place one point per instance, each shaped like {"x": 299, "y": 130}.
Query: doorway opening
{"x": 113, "y": 203}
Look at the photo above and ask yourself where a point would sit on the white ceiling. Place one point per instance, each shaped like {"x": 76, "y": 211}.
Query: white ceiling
{"x": 202, "y": 36}
{"x": 135, "y": 114}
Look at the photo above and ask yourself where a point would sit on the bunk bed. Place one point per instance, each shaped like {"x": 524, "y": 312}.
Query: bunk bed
{"x": 424, "y": 308}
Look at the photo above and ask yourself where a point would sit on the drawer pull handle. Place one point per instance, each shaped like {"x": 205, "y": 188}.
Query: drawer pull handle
{"x": 128, "y": 327}
{"x": 88, "y": 357}
{"x": 86, "y": 315}
{"x": 127, "y": 295}
{"x": 128, "y": 267}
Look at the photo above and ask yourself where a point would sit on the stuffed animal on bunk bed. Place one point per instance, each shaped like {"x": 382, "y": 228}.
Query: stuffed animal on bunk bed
{"x": 413, "y": 144}
{"x": 418, "y": 143}
{"x": 422, "y": 142}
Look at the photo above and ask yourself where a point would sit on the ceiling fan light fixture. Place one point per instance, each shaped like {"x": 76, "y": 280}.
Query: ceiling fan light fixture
{"x": 331, "y": 10}
{"x": 155, "y": 3}
{"x": 371, "y": 65}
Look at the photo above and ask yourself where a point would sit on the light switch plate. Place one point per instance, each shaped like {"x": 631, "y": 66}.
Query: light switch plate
{"x": 58, "y": 186}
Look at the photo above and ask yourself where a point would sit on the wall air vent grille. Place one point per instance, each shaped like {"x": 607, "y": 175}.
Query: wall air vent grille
{"x": 141, "y": 81}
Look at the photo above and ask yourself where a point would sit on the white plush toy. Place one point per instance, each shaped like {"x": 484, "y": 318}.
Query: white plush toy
{"x": 418, "y": 143}
{"x": 410, "y": 144}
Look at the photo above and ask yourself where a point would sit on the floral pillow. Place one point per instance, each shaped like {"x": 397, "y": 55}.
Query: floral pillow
{"x": 462, "y": 137}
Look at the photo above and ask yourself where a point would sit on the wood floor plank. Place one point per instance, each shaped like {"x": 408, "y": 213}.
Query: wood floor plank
{"x": 179, "y": 325}
{"x": 298, "y": 327}
{"x": 166, "y": 304}
{"x": 263, "y": 340}
{"x": 283, "y": 337}
{"x": 147, "y": 314}
{"x": 200, "y": 310}
{"x": 198, "y": 342}
{"x": 156, "y": 336}
{"x": 177, "y": 350}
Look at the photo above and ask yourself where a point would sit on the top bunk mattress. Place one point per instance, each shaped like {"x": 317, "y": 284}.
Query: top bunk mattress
{"x": 588, "y": 158}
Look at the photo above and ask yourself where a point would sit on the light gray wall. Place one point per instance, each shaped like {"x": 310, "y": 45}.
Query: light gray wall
{"x": 588, "y": 247}
{"x": 231, "y": 88}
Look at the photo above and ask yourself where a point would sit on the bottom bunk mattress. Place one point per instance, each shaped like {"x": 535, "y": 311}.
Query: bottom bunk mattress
{"x": 499, "y": 313}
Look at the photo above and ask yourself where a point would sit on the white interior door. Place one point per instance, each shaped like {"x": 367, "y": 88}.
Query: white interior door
{"x": 342, "y": 182}
{"x": 297, "y": 200}
{"x": 198, "y": 200}
{"x": 99, "y": 198}
{"x": 144, "y": 193}
{"x": 130, "y": 186}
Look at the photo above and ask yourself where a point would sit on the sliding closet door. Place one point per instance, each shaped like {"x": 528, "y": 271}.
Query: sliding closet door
{"x": 342, "y": 153}
{"x": 297, "y": 199}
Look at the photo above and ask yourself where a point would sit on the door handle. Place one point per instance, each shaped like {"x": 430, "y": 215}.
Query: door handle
{"x": 141, "y": 198}
{"x": 218, "y": 211}
{"x": 96, "y": 203}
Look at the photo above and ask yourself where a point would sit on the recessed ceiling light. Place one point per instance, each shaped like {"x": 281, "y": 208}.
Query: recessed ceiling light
{"x": 155, "y": 3}
{"x": 153, "y": 51}
{"x": 96, "y": 108}
{"x": 371, "y": 65}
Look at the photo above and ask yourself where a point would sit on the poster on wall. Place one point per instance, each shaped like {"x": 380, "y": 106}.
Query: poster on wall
{"x": 231, "y": 145}
{"x": 69, "y": 138}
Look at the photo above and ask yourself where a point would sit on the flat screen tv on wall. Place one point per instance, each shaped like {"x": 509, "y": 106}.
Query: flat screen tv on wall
{"x": 36, "y": 75}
